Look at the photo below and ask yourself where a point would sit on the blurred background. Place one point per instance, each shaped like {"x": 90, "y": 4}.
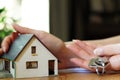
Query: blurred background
{"x": 85, "y": 19}
{"x": 29, "y": 13}
{"x": 68, "y": 19}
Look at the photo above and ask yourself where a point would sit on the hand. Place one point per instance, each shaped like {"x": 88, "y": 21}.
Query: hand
{"x": 54, "y": 44}
{"x": 84, "y": 51}
{"x": 45, "y": 37}
{"x": 113, "y": 52}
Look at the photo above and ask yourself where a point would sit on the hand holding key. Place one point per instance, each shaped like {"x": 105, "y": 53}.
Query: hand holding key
{"x": 85, "y": 54}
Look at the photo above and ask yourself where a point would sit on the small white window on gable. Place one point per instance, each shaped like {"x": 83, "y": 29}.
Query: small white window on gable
{"x": 33, "y": 50}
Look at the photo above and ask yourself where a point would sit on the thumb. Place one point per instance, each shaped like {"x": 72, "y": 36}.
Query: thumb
{"x": 108, "y": 50}
{"x": 115, "y": 62}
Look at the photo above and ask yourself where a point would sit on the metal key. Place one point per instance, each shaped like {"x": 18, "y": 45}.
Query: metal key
{"x": 99, "y": 63}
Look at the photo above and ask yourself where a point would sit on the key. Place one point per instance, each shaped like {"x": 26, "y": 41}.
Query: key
{"x": 99, "y": 63}
{"x": 102, "y": 61}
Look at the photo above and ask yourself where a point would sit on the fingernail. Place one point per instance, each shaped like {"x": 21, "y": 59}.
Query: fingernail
{"x": 74, "y": 40}
{"x": 68, "y": 46}
{"x": 98, "y": 51}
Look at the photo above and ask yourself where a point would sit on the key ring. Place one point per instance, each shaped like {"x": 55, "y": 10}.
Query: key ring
{"x": 98, "y": 72}
{"x": 100, "y": 67}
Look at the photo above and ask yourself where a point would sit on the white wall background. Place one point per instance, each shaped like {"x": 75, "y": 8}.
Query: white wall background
{"x": 31, "y": 13}
{"x": 35, "y": 14}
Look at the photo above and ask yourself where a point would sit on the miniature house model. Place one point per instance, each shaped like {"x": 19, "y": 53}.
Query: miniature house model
{"x": 28, "y": 57}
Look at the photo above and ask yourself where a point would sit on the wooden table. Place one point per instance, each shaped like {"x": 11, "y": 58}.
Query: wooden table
{"x": 76, "y": 76}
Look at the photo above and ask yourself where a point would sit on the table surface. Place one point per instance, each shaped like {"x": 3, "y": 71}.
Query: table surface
{"x": 76, "y": 76}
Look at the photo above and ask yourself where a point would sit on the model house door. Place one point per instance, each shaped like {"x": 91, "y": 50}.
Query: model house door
{"x": 51, "y": 67}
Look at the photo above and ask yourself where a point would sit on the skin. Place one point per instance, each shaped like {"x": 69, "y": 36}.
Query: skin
{"x": 70, "y": 54}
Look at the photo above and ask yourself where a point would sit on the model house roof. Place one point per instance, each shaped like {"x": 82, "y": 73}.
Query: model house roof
{"x": 19, "y": 43}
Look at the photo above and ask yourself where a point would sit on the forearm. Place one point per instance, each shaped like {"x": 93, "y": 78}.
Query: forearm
{"x": 110, "y": 40}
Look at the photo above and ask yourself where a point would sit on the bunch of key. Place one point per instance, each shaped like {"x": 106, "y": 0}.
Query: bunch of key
{"x": 99, "y": 63}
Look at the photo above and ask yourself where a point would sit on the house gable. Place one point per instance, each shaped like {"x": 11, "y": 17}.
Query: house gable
{"x": 41, "y": 50}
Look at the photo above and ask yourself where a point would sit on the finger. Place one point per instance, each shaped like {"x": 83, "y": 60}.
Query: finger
{"x": 78, "y": 51}
{"x": 5, "y": 43}
{"x": 8, "y": 41}
{"x": 108, "y": 50}
{"x": 1, "y": 51}
{"x": 23, "y": 30}
{"x": 14, "y": 35}
{"x": 82, "y": 63}
{"x": 84, "y": 46}
{"x": 115, "y": 62}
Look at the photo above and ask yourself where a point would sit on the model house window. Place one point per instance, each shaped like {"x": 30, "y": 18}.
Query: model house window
{"x": 7, "y": 65}
{"x": 33, "y": 49}
{"x": 31, "y": 65}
